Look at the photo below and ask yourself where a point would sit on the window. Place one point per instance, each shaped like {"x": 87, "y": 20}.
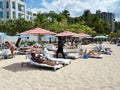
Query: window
{"x": 13, "y": 14}
{"x": 1, "y": 4}
{"x": 13, "y": 5}
{"x": 7, "y": 15}
{"x": 27, "y": 17}
{"x": 7, "y": 5}
{"x": 1, "y": 14}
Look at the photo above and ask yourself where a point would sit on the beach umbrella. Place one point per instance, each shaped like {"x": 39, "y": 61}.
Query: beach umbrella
{"x": 38, "y": 31}
{"x": 101, "y": 36}
{"x": 81, "y": 35}
{"x": 65, "y": 33}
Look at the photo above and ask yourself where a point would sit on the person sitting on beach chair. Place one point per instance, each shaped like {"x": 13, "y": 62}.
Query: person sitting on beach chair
{"x": 103, "y": 49}
{"x": 39, "y": 60}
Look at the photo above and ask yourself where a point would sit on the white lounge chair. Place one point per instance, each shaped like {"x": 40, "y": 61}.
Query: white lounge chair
{"x": 51, "y": 47}
{"x": 1, "y": 54}
{"x": 6, "y": 53}
{"x": 43, "y": 65}
{"x": 50, "y": 57}
{"x": 74, "y": 55}
{"x": 104, "y": 50}
{"x": 96, "y": 56}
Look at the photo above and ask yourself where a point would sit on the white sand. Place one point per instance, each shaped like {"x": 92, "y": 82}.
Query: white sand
{"x": 81, "y": 74}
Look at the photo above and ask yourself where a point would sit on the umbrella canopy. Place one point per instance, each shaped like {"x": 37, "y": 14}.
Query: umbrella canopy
{"x": 38, "y": 31}
{"x": 81, "y": 35}
{"x": 101, "y": 36}
{"x": 66, "y": 33}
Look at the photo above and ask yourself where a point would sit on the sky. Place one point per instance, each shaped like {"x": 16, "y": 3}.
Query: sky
{"x": 75, "y": 7}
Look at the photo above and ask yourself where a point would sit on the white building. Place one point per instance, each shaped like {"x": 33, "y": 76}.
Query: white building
{"x": 13, "y": 9}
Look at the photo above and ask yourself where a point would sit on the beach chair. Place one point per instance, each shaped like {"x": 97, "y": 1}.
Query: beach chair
{"x": 51, "y": 47}
{"x": 23, "y": 49}
{"x": 6, "y": 54}
{"x": 104, "y": 50}
{"x": 51, "y": 58}
{"x": 1, "y": 55}
{"x": 43, "y": 65}
{"x": 96, "y": 56}
{"x": 72, "y": 55}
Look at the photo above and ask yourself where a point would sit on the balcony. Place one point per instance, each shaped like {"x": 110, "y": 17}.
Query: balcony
{"x": 21, "y": 8}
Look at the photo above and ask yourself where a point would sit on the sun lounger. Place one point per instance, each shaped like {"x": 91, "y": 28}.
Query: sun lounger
{"x": 44, "y": 65}
{"x": 96, "y": 56}
{"x": 103, "y": 49}
{"x": 50, "y": 57}
{"x": 51, "y": 47}
{"x": 1, "y": 55}
{"x": 73, "y": 55}
{"x": 6, "y": 53}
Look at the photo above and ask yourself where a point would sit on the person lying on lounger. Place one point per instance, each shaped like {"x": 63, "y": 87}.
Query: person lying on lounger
{"x": 91, "y": 53}
{"x": 39, "y": 60}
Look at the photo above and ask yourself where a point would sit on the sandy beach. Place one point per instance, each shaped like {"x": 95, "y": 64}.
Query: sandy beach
{"x": 81, "y": 74}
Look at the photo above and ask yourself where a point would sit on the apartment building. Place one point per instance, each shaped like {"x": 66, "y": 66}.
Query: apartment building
{"x": 13, "y": 9}
{"x": 109, "y": 17}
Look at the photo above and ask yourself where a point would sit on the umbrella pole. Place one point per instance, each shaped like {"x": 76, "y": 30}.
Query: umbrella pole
{"x": 39, "y": 38}
{"x": 40, "y": 41}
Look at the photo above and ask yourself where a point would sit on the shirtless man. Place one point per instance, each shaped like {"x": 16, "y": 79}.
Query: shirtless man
{"x": 39, "y": 60}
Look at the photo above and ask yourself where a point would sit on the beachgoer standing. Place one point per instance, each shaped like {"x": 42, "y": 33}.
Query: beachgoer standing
{"x": 11, "y": 46}
{"x": 60, "y": 48}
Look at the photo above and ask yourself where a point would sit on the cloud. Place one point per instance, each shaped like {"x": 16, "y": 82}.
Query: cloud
{"x": 77, "y": 7}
